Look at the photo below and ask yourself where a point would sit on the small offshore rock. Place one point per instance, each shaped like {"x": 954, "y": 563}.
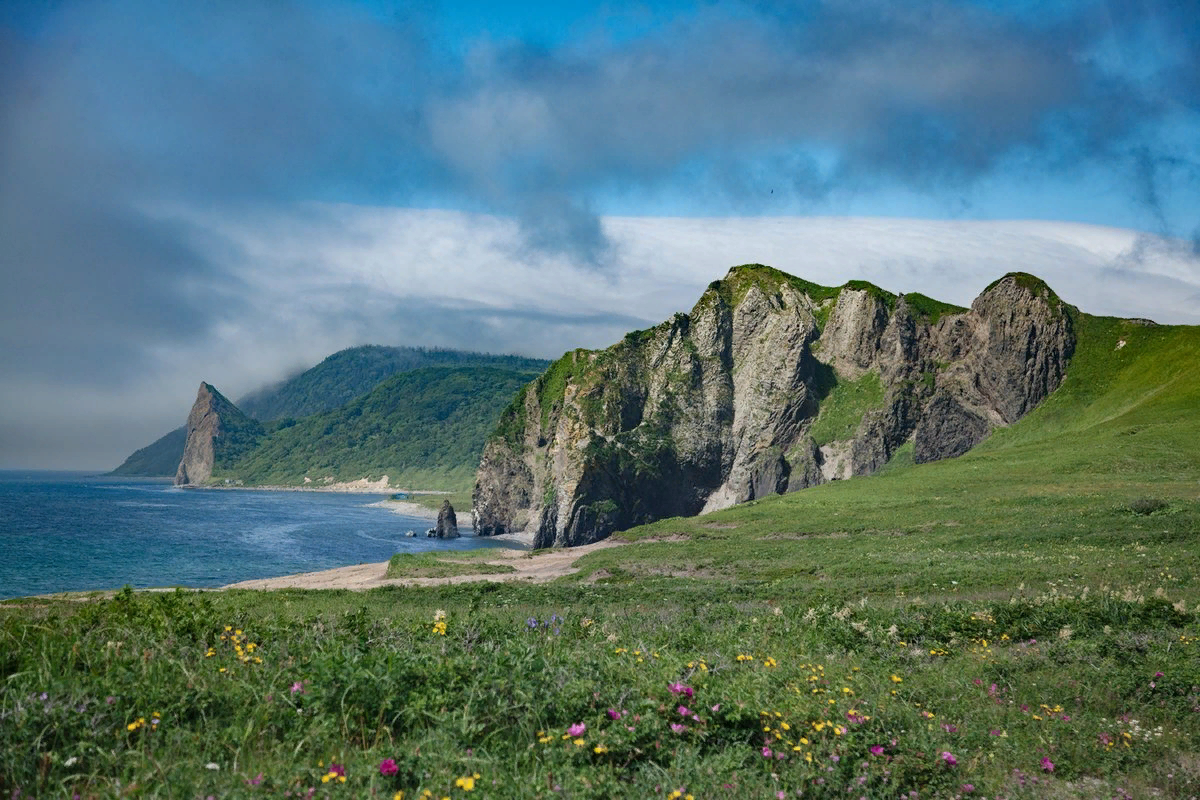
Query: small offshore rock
{"x": 447, "y": 523}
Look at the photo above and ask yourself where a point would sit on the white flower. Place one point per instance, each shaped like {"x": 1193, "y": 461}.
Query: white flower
{"x": 212, "y": 765}
{"x": 70, "y": 762}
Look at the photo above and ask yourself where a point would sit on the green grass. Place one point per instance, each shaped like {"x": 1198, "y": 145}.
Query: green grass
{"x": 1036, "y": 600}
{"x": 842, "y": 409}
{"x": 439, "y": 565}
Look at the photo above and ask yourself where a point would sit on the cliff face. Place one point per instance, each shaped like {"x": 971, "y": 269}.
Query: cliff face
{"x": 770, "y": 384}
{"x": 216, "y": 433}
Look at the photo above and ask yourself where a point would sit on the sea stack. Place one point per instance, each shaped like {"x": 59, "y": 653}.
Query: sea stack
{"x": 447, "y": 523}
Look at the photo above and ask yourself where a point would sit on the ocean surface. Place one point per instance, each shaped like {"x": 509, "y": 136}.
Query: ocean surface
{"x": 70, "y": 531}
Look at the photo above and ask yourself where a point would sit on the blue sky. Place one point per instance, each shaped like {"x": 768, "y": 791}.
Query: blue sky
{"x": 137, "y": 135}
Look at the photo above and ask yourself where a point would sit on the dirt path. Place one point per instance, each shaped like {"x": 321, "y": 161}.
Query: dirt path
{"x": 537, "y": 568}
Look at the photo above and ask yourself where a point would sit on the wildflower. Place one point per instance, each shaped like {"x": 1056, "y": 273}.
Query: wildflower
{"x": 599, "y": 749}
{"x": 466, "y": 783}
{"x": 577, "y": 729}
{"x": 398, "y": 796}
{"x": 967, "y": 788}
{"x": 876, "y": 749}
{"x": 897, "y": 679}
{"x": 770, "y": 662}
{"x": 948, "y": 728}
{"x": 212, "y": 765}
{"x": 679, "y": 688}
{"x": 766, "y": 752}
{"x": 614, "y": 714}
{"x": 744, "y": 657}
{"x": 298, "y": 687}
{"x": 255, "y": 781}
{"x": 388, "y": 767}
{"x": 678, "y": 728}
{"x": 586, "y": 622}
{"x": 684, "y": 711}
{"x": 716, "y": 708}
{"x": 579, "y": 742}
{"x": 1047, "y": 764}
{"x": 949, "y": 758}
{"x": 439, "y": 627}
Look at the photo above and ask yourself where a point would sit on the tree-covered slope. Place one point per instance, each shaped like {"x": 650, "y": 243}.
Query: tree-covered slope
{"x": 425, "y": 427}
{"x": 340, "y": 378}
{"x": 159, "y": 459}
{"x": 353, "y": 372}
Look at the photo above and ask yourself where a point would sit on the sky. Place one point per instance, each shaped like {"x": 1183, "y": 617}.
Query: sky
{"x": 230, "y": 191}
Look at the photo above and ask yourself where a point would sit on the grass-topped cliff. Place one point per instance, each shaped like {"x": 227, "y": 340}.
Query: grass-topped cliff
{"x": 1016, "y": 622}
{"x": 769, "y": 384}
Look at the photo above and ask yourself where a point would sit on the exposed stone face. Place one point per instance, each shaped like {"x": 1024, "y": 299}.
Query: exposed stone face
{"x": 447, "y": 522}
{"x": 715, "y": 407}
{"x": 212, "y": 423}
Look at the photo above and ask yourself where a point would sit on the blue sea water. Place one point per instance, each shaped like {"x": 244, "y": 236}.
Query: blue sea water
{"x": 69, "y": 531}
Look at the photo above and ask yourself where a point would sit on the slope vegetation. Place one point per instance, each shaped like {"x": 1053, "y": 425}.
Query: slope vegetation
{"x": 340, "y": 378}
{"x": 425, "y": 427}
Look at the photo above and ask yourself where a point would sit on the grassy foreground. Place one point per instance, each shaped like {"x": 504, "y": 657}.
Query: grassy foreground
{"x": 1017, "y": 623}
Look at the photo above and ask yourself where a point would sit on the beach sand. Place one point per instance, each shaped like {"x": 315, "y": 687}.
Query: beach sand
{"x": 530, "y": 567}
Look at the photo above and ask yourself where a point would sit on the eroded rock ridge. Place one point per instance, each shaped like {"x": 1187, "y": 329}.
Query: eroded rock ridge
{"x": 216, "y": 432}
{"x": 771, "y": 384}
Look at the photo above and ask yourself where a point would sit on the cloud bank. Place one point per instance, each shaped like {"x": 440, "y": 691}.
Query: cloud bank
{"x": 337, "y": 276}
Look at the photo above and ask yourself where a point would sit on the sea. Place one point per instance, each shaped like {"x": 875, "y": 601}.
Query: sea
{"x": 74, "y": 531}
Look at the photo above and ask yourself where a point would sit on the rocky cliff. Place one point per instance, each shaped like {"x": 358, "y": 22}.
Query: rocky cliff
{"x": 217, "y": 433}
{"x": 770, "y": 384}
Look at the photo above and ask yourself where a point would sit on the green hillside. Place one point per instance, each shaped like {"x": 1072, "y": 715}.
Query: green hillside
{"x": 340, "y": 378}
{"x": 157, "y": 459}
{"x": 353, "y": 372}
{"x": 425, "y": 428}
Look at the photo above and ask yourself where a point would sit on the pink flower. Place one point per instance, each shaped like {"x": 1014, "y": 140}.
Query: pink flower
{"x": 679, "y": 688}
{"x": 255, "y": 781}
{"x": 1047, "y": 764}
{"x": 766, "y": 752}
{"x": 577, "y": 729}
{"x": 684, "y": 711}
{"x": 675, "y": 726}
{"x": 780, "y": 795}
{"x": 948, "y": 728}
{"x": 716, "y": 708}
{"x": 1158, "y": 674}
{"x": 614, "y": 714}
{"x": 967, "y": 788}
{"x": 388, "y": 767}
{"x": 298, "y": 686}
{"x": 949, "y": 758}
{"x": 877, "y": 750}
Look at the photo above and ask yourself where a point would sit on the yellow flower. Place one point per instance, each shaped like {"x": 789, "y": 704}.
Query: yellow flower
{"x": 897, "y": 679}
{"x": 674, "y": 794}
{"x": 439, "y": 627}
{"x": 579, "y": 742}
{"x": 398, "y": 796}
{"x": 466, "y": 783}
{"x": 600, "y": 749}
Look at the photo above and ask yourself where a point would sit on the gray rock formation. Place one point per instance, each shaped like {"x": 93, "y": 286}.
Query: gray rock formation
{"x": 217, "y": 432}
{"x": 447, "y": 523}
{"x": 770, "y": 384}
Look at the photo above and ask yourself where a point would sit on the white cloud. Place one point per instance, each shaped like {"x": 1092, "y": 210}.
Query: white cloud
{"x": 328, "y": 277}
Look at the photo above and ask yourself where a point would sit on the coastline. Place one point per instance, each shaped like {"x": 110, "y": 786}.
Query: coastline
{"x": 527, "y": 567}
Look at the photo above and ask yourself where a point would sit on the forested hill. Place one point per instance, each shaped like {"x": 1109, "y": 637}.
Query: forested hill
{"x": 339, "y": 379}
{"x": 351, "y": 373}
{"x": 425, "y": 428}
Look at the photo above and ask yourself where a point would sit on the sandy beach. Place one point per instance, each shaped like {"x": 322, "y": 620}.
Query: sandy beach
{"x": 534, "y": 568}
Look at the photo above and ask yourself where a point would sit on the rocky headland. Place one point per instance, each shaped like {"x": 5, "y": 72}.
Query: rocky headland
{"x": 771, "y": 384}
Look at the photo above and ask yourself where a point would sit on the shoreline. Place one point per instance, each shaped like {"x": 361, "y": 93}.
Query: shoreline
{"x": 541, "y": 567}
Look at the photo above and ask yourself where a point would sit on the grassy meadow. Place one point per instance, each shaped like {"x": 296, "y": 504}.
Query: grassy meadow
{"x": 1019, "y": 622}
